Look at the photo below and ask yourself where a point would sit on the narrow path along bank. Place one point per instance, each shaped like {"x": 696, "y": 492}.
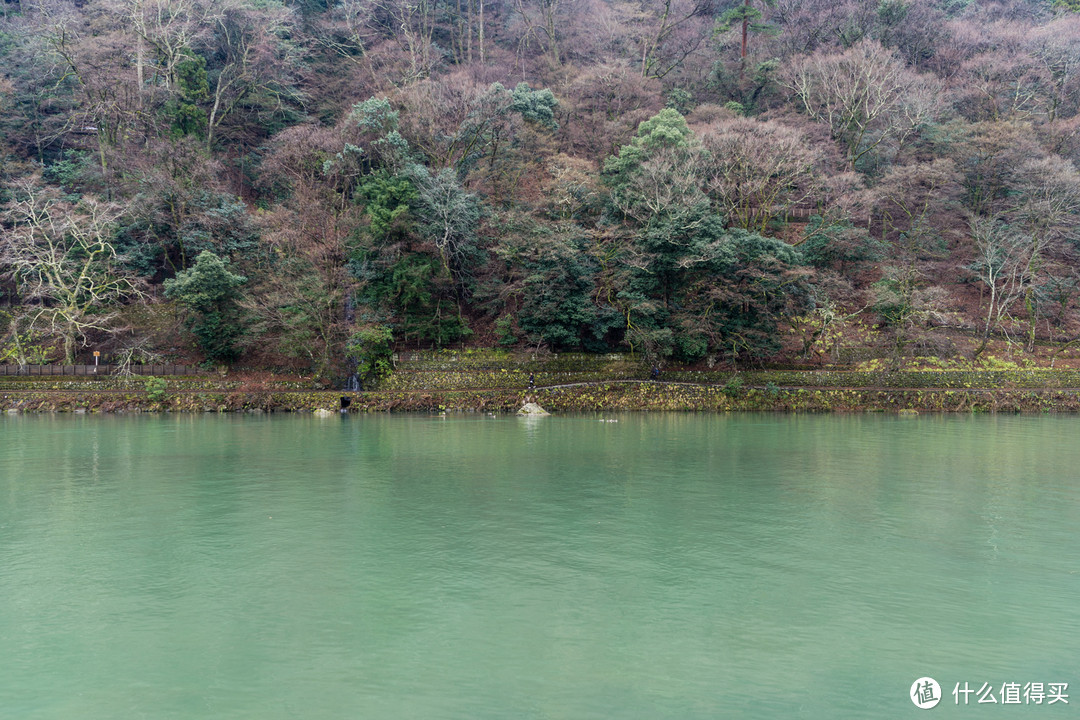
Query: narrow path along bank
{"x": 496, "y": 381}
{"x": 593, "y": 396}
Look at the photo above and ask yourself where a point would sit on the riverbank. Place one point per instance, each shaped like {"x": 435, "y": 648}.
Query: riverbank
{"x": 501, "y": 382}
{"x": 590, "y": 396}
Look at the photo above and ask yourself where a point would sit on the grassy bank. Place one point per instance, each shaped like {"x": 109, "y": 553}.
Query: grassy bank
{"x": 599, "y": 397}
{"x": 494, "y": 381}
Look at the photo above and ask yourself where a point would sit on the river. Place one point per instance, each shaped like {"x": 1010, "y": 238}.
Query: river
{"x": 582, "y": 566}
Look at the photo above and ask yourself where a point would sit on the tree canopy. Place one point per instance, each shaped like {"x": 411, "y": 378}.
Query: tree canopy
{"x": 689, "y": 179}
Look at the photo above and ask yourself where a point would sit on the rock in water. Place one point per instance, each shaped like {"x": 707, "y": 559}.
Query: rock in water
{"x": 323, "y": 412}
{"x": 532, "y": 409}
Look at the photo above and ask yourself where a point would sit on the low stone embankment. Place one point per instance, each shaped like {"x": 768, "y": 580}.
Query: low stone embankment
{"x": 490, "y": 381}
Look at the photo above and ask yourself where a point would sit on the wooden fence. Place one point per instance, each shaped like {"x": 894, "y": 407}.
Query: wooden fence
{"x": 98, "y": 370}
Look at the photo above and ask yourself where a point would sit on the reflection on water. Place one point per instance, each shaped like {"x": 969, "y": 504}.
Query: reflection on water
{"x": 682, "y": 566}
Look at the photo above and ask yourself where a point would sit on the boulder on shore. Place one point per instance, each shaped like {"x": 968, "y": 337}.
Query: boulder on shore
{"x": 532, "y": 408}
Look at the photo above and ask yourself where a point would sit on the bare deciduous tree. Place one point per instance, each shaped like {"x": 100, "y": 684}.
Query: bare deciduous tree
{"x": 670, "y": 31}
{"x": 300, "y": 297}
{"x": 999, "y": 85}
{"x": 755, "y": 170}
{"x": 541, "y": 23}
{"x": 909, "y": 201}
{"x": 1047, "y": 208}
{"x": 1056, "y": 46}
{"x": 169, "y": 30}
{"x": 1003, "y": 265}
{"x": 864, "y": 95}
{"x": 257, "y": 58}
{"x": 66, "y": 266}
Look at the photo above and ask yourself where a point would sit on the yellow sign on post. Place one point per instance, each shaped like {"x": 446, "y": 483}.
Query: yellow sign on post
{"x": 97, "y": 354}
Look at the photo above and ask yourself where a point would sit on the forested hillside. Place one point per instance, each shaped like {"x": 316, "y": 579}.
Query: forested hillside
{"x": 291, "y": 184}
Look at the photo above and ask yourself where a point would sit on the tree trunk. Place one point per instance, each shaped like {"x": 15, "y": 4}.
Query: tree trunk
{"x": 69, "y": 346}
{"x": 140, "y": 54}
{"x": 481, "y": 29}
{"x": 745, "y": 31}
{"x": 742, "y": 50}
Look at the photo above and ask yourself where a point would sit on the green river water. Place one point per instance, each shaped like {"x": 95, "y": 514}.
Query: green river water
{"x": 660, "y": 566}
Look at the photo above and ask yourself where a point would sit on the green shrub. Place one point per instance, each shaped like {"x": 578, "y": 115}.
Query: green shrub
{"x": 504, "y": 330}
{"x": 733, "y": 387}
{"x": 209, "y": 290}
{"x": 156, "y": 389}
{"x": 370, "y": 346}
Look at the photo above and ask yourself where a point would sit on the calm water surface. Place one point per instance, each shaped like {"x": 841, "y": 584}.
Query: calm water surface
{"x": 661, "y": 566}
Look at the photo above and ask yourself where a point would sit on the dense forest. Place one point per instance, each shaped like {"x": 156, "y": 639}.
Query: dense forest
{"x": 293, "y": 184}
